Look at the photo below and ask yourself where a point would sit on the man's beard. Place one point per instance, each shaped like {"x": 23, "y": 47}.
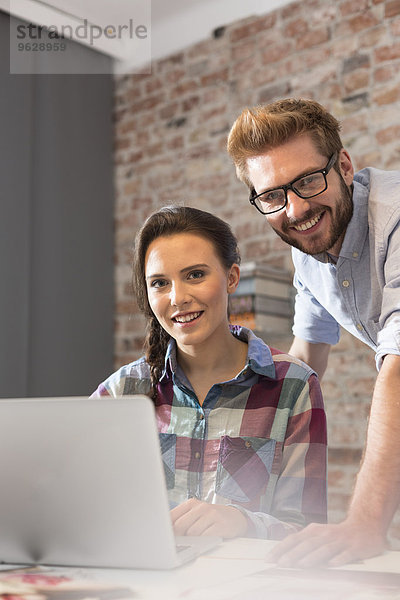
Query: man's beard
{"x": 339, "y": 222}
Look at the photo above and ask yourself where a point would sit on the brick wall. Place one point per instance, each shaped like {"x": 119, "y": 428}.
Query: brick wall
{"x": 171, "y": 128}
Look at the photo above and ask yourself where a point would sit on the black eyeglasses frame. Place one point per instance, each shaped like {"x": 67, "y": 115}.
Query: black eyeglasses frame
{"x": 289, "y": 186}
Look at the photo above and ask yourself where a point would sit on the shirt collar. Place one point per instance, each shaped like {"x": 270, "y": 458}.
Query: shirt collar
{"x": 170, "y": 363}
{"x": 259, "y": 357}
{"x": 357, "y": 229}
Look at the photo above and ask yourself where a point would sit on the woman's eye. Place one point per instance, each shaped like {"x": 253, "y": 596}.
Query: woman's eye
{"x": 196, "y": 275}
{"x": 158, "y": 283}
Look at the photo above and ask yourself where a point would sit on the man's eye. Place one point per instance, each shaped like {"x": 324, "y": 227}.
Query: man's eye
{"x": 196, "y": 275}
{"x": 272, "y": 197}
{"x": 307, "y": 181}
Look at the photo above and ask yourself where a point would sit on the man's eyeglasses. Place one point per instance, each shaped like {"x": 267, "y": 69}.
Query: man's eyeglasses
{"x": 306, "y": 186}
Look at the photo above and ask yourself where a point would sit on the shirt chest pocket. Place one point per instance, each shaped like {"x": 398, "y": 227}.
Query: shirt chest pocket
{"x": 168, "y": 454}
{"x": 244, "y": 467}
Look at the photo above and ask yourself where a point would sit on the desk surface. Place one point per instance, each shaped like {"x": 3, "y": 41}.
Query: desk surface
{"x": 237, "y": 569}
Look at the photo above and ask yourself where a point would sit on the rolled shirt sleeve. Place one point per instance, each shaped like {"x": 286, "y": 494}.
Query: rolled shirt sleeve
{"x": 312, "y": 322}
{"x": 388, "y": 337}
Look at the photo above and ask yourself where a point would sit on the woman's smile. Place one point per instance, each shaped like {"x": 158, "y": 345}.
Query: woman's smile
{"x": 188, "y": 288}
{"x": 188, "y": 318}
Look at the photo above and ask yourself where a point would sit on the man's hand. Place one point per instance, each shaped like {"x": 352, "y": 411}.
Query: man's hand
{"x": 328, "y": 545}
{"x": 194, "y": 517}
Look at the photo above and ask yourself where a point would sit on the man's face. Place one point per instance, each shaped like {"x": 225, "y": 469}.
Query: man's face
{"x": 312, "y": 225}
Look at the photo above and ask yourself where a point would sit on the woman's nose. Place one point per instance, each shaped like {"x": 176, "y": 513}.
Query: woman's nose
{"x": 178, "y": 295}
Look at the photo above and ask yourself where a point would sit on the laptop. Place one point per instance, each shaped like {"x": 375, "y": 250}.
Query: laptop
{"x": 82, "y": 484}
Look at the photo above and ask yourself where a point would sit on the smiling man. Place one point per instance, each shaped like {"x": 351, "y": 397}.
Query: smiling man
{"x": 344, "y": 229}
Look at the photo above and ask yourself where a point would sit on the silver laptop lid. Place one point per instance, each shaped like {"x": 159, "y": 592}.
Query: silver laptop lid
{"x": 83, "y": 484}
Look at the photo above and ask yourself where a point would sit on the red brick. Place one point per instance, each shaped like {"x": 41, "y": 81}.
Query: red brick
{"x": 385, "y": 53}
{"x": 175, "y": 75}
{"x": 124, "y": 307}
{"x": 190, "y": 103}
{"x": 132, "y": 187}
{"x": 217, "y": 111}
{"x": 253, "y": 28}
{"x": 292, "y": 10}
{"x": 354, "y": 124}
{"x": 122, "y": 144}
{"x": 203, "y": 48}
{"x": 387, "y": 96}
{"x": 296, "y": 28}
{"x": 154, "y": 150}
{"x": 153, "y": 85}
{"x": 134, "y": 157}
{"x": 274, "y": 92}
{"x": 395, "y": 27}
{"x": 198, "y": 68}
{"x": 120, "y": 114}
{"x": 276, "y": 52}
{"x": 243, "y": 50}
{"x": 146, "y": 104}
{"x": 245, "y": 66}
{"x": 385, "y": 73}
{"x": 126, "y": 127}
{"x": 215, "y": 78}
{"x": 356, "y": 24}
{"x": 169, "y": 110}
{"x": 387, "y": 135}
{"x": 267, "y": 74}
{"x": 313, "y": 38}
{"x": 362, "y": 386}
{"x": 356, "y": 80}
{"x": 373, "y": 37}
{"x": 170, "y": 62}
{"x": 338, "y": 501}
{"x": 186, "y": 87}
{"x": 353, "y": 6}
{"x": 344, "y": 456}
{"x": 269, "y": 20}
{"x": 330, "y": 91}
{"x": 335, "y": 477}
{"x": 176, "y": 143}
{"x": 257, "y": 249}
{"x": 392, "y": 9}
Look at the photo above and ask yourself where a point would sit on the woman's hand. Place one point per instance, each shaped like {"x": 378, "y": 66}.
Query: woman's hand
{"x": 195, "y": 517}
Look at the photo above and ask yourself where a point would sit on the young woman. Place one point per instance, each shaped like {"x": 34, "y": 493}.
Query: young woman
{"x": 242, "y": 426}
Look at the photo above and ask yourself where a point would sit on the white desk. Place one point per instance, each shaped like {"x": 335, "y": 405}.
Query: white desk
{"x": 237, "y": 570}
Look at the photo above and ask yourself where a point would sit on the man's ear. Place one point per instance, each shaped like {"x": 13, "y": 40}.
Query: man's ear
{"x": 346, "y": 166}
{"x": 233, "y": 278}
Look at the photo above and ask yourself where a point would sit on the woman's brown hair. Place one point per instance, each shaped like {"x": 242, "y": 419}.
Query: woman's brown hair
{"x": 167, "y": 221}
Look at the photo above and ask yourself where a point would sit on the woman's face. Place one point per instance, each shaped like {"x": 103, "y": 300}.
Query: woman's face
{"x": 188, "y": 287}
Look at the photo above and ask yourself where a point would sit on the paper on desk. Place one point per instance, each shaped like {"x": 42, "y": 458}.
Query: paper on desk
{"x": 388, "y": 562}
{"x": 45, "y": 583}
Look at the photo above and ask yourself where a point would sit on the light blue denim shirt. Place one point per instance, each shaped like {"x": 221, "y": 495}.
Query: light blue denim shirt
{"x": 361, "y": 292}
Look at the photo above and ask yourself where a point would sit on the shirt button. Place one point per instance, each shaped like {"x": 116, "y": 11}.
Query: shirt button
{"x": 355, "y": 254}
{"x": 345, "y": 283}
{"x": 359, "y": 327}
{"x": 247, "y": 444}
{"x": 197, "y": 455}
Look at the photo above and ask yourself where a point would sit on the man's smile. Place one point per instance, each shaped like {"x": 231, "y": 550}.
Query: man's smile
{"x": 308, "y": 224}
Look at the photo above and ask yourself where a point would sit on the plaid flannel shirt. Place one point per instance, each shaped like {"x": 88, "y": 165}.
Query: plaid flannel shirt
{"x": 258, "y": 442}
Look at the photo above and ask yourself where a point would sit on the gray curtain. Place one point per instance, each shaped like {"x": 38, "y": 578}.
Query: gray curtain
{"x": 56, "y": 229}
